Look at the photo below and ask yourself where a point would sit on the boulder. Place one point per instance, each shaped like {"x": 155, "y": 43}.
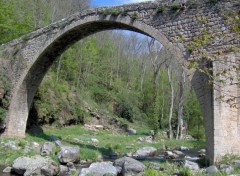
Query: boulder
{"x": 145, "y": 152}
{"x": 170, "y": 155}
{"x": 211, "y": 170}
{"x": 129, "y": 167}
{"x": 182, "y": 148}
{"x": 179, "y": 153}
{"x": 99, "y": 169}
{"x": 32, "y": 166}
{"x": 47, "y": 149}
{"x": 7, "y": 170}
{"x": 226, "y": 168}
{"x": 131, "y": 131}
{"x": 93, "y": 140}
{"x": 67, "y": 170}
{"x": 191, "y": 165}
{"x": 68, "y": 154}
{"x": 51, "y": 169}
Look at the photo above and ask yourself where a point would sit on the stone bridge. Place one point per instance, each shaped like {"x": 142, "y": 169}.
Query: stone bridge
{"x": 202, "y": 34}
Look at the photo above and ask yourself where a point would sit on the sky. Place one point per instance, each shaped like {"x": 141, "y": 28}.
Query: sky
{"x": 96, "y": 3}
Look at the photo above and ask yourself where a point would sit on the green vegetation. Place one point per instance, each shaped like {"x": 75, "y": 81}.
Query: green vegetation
{"x": 160, "y": 9}
{"x": 175, "y": 6}
{"x": 79, "y": 136}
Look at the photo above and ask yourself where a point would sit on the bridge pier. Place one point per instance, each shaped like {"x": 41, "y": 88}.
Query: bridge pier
{"x": 226, "y": 129}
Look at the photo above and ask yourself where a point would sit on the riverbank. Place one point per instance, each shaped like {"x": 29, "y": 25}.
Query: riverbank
{"x": 94, "y": 144}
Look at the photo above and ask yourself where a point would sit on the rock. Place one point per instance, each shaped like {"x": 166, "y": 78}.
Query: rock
{"x": 63, "y": 170}
{"x": 68, "y": 154}
{"x": 140, "y": 139}
{"x": 148, "y": 139}
{"x": 31, "y": 166}
{"x": 226, "y": 168}
{"x": 67, "y": 170}
{"x": 211, "y": 169}
{"x": 129, "y": 167}
{"x": 191, "y": 165}
{"x": 12, "y": 145}
{"x": 179, "y": 153}
{"x": 99, "y": 127}
{"x": 1, "y": 93}
{"x": 182, "y": 148}
{"x": 131, "y": 131}
{"x": 51, "y": 169}
{"x": 99, "y": 169}
{"x": 54, "y": 138}
{"x": 7, "y": 170}
{"x": 93, "y": 140}
{"x": 35, "y": 145}
{"x": 47, "y": 149}
{"x": 156, "y": 166}
{"x": 202, "y": 151}
{"x": 58, "y": 143}
{"x": 235, "y": 162}
{"x": 71, "y": 167}
{"x": 170, "y": 155}
{"x": 145, "y": 152}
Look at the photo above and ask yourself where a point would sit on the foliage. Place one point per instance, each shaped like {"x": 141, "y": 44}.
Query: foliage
{"x": 175, "y": 6}
{"x": 185, "y": 172}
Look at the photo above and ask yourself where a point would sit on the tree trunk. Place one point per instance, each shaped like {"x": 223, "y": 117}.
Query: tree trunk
{"x": 172, "y": 101}
{"x": 180, "y": 107}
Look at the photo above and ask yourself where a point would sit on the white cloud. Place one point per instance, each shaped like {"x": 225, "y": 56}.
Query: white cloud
{"x": 132, "y": 1}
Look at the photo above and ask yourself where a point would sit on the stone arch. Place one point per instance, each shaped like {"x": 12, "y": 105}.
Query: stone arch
{"x": 43, "y": 47}
{"x": 28, "y": 83}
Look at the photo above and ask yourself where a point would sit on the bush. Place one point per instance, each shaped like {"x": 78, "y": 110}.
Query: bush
{"x": 152, "y": 172}
{"x": 185, "y": 172}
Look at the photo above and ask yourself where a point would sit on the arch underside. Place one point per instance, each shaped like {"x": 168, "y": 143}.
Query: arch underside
{"x": 24, "y": 93}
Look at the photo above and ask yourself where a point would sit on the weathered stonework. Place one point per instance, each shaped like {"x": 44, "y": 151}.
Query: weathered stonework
{"x": 192, "y": 32}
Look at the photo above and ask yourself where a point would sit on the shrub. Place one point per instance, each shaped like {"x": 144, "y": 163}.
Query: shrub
{"x": 160, "y": 9}
{"x": 175, "y": 6}
{"x": 152, "y": 172}
{"x": 185, "y": 172}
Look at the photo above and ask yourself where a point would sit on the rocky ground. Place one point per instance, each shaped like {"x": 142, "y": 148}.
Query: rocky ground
{"x": 83, "y": 151}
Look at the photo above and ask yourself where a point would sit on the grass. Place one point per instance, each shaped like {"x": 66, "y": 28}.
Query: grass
{"x": 108, "y": 143}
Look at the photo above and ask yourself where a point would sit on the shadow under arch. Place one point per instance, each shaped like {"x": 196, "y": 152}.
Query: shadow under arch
{"x": 29, "y": 82}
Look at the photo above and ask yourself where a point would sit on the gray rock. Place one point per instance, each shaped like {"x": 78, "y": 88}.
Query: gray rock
{"x": 182, "y": 148}
{"x": 58, "y": 143}
{"x": 131, "y": 131}
{"x": 226, "y": 168}
{"x": 178, "y": 153}
{"x": 54, "y": 138}
{"x": 191, "y": 165}
{"x": 236, "y": 162}
{"x": 47, "y": 149}
{"x": 170, "y": 155}
{"x": 129, "y": 167}
{"x": 29, "y": 166}
{"x": 68, "y": 154}
{"x": 156, "y": 166}
{"x": 211, "y": 169}
{"x": 67, "y": 170}
{"x": 51, "y": 169}
{"x": 63, "y": 170}
{"x": 145, "y": 152}
{"x": 12, "y": 145}
{"x": 99, "y": 169}
{"x": 7, "y": 170}
{"x": 94, "y": 140}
